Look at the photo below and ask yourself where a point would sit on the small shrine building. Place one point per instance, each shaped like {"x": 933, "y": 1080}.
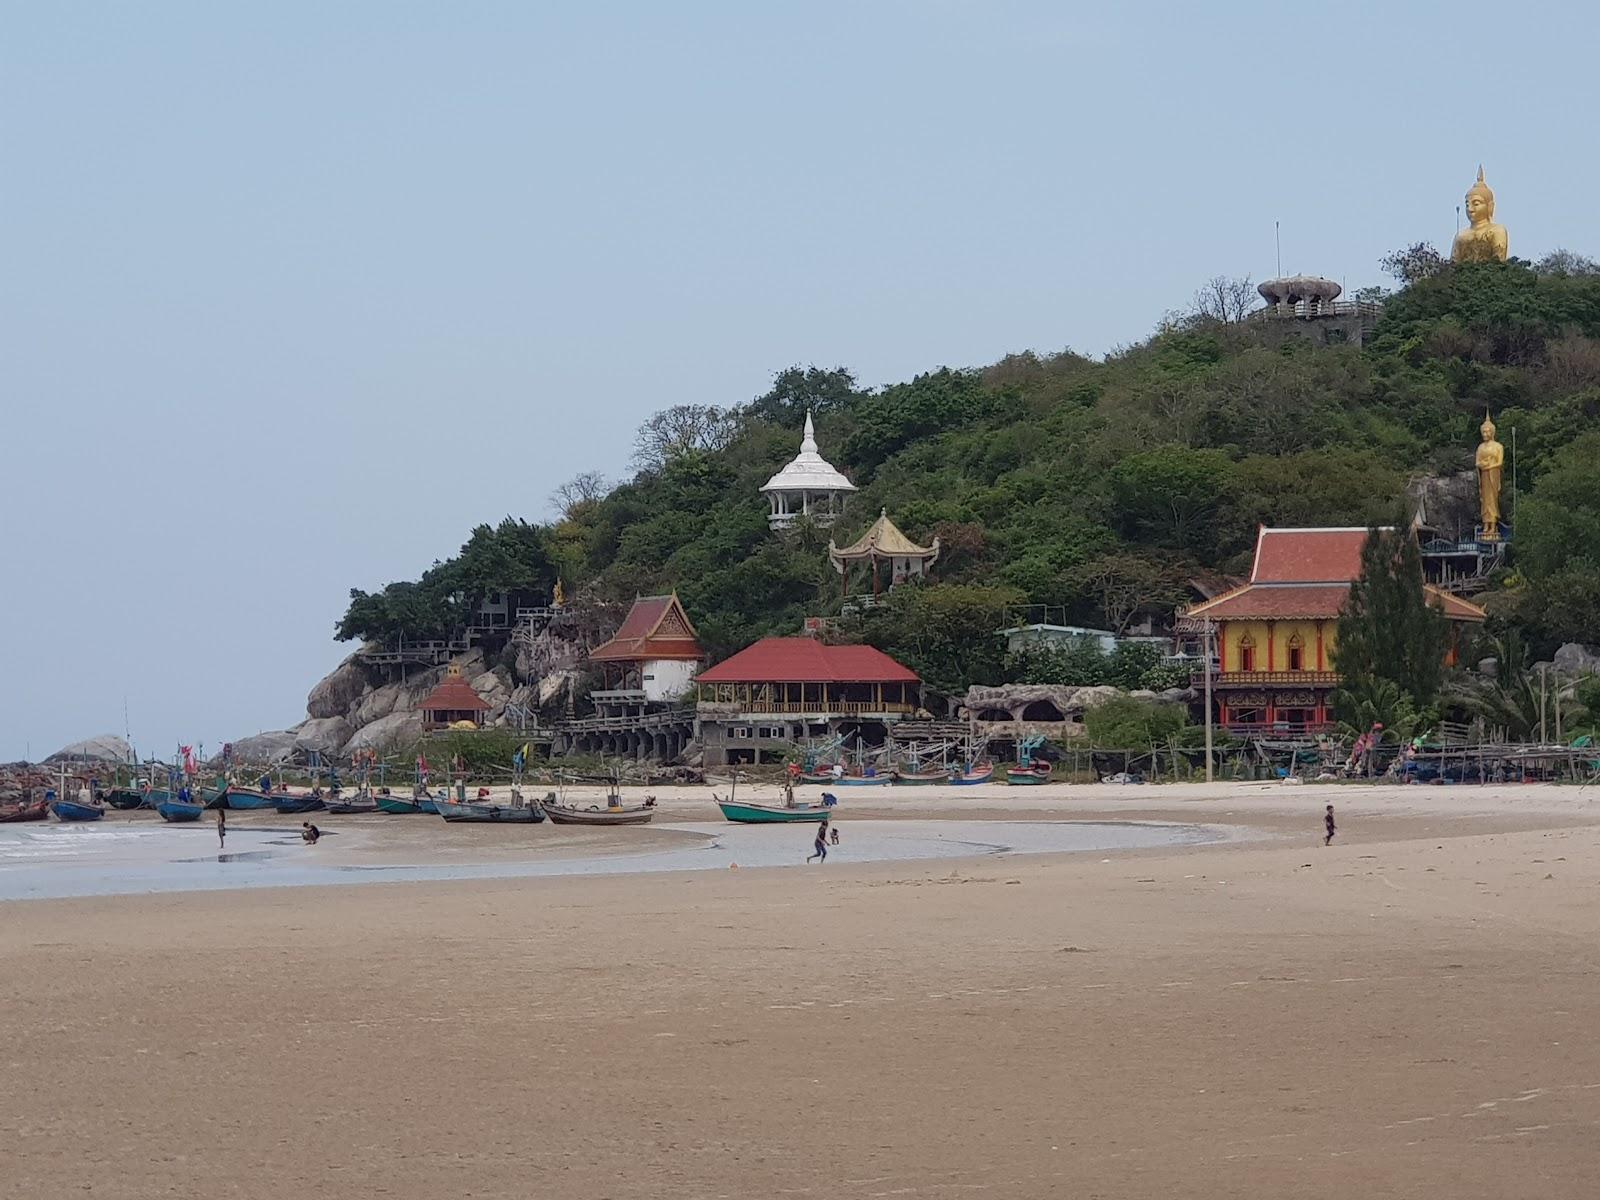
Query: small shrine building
{"x": 1275, "y": 634}
{"x": 883, "y": 546}
{"x": 453, "y": 702}
{"x": 655, "y": 651}
{"x": 809, "y": 486}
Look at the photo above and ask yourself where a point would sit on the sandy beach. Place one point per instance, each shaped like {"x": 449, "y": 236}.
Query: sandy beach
{"x": 1407, "y": 1012}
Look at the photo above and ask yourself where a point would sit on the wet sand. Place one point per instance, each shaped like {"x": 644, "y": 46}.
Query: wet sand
{"x": 1409, "y": 1012}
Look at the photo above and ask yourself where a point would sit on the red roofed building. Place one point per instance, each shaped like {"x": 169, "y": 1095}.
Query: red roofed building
{"x": 782, "y": 690}
{"x": 452, "y": 702}
{"x": 655, "y": 650}
{"x": 1275, "y": 634}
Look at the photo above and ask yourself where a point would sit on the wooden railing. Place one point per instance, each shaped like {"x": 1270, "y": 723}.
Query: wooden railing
{"x": 726, "y": 709}
{"x": 1272, "y": 678}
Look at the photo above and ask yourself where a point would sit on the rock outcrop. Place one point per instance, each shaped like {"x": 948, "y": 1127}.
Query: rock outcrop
{"x": 325, "y": 735}
{"x": 265, "y": 749}
{"x": 107, "y": 748}
{"x": 337, "y": 691}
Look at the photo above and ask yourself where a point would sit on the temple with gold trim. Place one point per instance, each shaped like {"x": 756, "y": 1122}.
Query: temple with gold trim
{"x": 883, "y": 545}
{"x": 1275, "y": 634}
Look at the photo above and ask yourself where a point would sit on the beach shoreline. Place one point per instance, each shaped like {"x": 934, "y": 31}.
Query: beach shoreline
{"x": 1406, "y": 1012}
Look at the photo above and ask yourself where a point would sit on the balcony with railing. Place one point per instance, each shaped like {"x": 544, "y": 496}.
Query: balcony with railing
{"x": 1311, "y": 679}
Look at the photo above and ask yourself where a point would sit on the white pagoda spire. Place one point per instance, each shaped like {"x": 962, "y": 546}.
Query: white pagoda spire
{"x": 809, "y": 486}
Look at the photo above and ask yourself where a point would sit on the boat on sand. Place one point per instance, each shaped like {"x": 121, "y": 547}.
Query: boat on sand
{"x": 497, "y": 814}
{"x": 24, "y": 810}
{"x": 612, "y": 814}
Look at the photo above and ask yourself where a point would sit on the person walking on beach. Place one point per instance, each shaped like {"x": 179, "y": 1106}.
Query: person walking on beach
{"x": 1327, "y": 820}
{"x": 819, "y": 848}
{"x": 222, "y": 827}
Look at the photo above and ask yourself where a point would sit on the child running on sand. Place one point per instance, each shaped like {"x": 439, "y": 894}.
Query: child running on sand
{"x": 833, "y": 835}
{"x": 819, "y": 848}
{"x": 1332, "y": 828}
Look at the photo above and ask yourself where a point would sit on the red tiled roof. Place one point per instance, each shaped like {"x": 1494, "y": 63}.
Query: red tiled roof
{"x": 1307, "y": 555}
{"x": 1280, "y": 602}
{"x": 1263, "y": 601}
{"x": 454, "y": 694}
{"x": 655, "y": 627}
{"x": 806, "y": 660}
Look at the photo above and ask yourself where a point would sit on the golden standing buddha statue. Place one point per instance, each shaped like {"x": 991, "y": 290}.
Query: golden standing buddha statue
{"x": 1490, "y": 461}
{"x": 1482, "y": 240}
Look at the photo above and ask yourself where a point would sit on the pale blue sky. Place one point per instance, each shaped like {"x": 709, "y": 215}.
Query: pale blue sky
{"x": 293, "y": 294}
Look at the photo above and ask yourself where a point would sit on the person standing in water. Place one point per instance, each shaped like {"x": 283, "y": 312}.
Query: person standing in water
{"x": 1327, "y": 821}
{"x": 222, "y": 827}
{"x": 819, "y": 848}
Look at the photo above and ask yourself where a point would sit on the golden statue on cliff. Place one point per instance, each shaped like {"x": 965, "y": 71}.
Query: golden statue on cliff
{"x": 1490, "y": 461}
{"x": 1482, "y": 240}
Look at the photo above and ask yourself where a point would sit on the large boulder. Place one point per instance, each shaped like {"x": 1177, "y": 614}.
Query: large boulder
{"x": 325, "y": 735}
{"x": 398, "y": 729}
{"x": 267, "y": 749}
{"x": 1575, "y": 659}
{"x": 380, "y": 702}
{"x": 108, "y": 747}
{"x": 337, "y": 692}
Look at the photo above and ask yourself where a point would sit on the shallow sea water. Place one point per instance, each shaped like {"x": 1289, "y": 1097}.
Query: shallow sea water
{"x": 53, "y": 861}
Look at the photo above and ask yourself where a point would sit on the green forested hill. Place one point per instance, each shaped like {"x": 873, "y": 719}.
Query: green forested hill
{"x": 1099, "y": 486}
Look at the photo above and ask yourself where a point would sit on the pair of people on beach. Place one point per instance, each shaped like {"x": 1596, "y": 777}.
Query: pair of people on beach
{"x": 819, "y": 848}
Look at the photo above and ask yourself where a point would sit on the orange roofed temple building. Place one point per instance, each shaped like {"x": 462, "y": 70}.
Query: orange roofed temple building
{"x": 1275, "y": 634}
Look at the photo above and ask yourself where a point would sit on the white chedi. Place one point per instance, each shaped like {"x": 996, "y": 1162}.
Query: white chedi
{"x": 809, "y": 486}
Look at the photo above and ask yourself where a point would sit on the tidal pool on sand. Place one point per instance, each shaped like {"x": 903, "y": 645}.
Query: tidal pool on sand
{"x": 50, "y": 861}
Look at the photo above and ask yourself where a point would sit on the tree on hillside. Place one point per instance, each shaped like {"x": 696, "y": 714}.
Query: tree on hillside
{"x": 949, "y": 634}
{"x": 1559, "y": 520}
{"x": 680, "y": 429}
{"x": 584, "y": 488}
{"x": 1416, "y": 262}
{"x": 1565, "y": 262}
{"x": 1170, "y": 494}
{"x": 798, "y": 389}
{"x": 1124, "y": 585}
{"x": 1388, "y": 630}
{"x": 1223, "y": 300}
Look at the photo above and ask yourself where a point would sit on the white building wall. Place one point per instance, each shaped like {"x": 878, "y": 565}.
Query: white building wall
{"x": 666, "y": 678}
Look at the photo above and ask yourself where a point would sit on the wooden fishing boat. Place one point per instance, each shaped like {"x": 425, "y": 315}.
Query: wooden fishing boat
{"x": 979, "y": 772}
{"x": 566, "y": 814}
{"x": 125, "y": 798}
{"x": 247, "y": 798}
{"x": 918, "y": 778}
{"x": 773, "y": 814}
{"x": 25, "y": 810}
{"x": 500, "y": 814}
{"x": 71, "y": 810}
{"x": 176, "y": 810}
{"x": 428, "y": 805}
{"x": 1033, "y": 773}
{"x": 397, "y": 805}
{"x": 289, "y": 806}
{"x": 350, "y": 804}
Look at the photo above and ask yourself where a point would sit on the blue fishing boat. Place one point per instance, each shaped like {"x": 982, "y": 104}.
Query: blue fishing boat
{"x": 176, "y": 810}
{"x": 292, "y": 805}
{"x": 243, "y": 798}
{"x": 71, "y": 810}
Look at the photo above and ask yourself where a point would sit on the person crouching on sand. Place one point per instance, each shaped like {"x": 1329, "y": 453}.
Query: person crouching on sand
{"x": 819, "y": 848}
{"x": 309, "y": 833}
{"x": 1327, "y": 820}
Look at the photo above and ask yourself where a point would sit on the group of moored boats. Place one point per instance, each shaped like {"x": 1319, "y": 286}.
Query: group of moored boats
{"x": 1033, "y": 771}
{"x": 184, "y": 805}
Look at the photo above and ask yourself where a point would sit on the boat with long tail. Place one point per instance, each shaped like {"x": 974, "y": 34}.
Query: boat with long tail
{"x": 24, "y": 810}
{"x": 492, "y": 814}
{"x": 72, "y": 810}
{"x": 567, "y": 814}
{"x": 358, "y": 803}
{"x": 398, "y": 805}
{"x": 978, "y": 772}
{"x": 244, "y": 798}
{"x": 788, "y": 813}
{"x": 126, "y": 798}
{"x": 178, "y": 810}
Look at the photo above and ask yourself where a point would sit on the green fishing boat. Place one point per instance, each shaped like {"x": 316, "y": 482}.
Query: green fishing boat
{"x": 772, "y": 814}
{"x": 397, "y": 804}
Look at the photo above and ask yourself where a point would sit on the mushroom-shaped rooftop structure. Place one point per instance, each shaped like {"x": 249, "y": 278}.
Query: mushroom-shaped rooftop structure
{"x": 808, "y": 486}
{"x": 1289, "y": 294}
